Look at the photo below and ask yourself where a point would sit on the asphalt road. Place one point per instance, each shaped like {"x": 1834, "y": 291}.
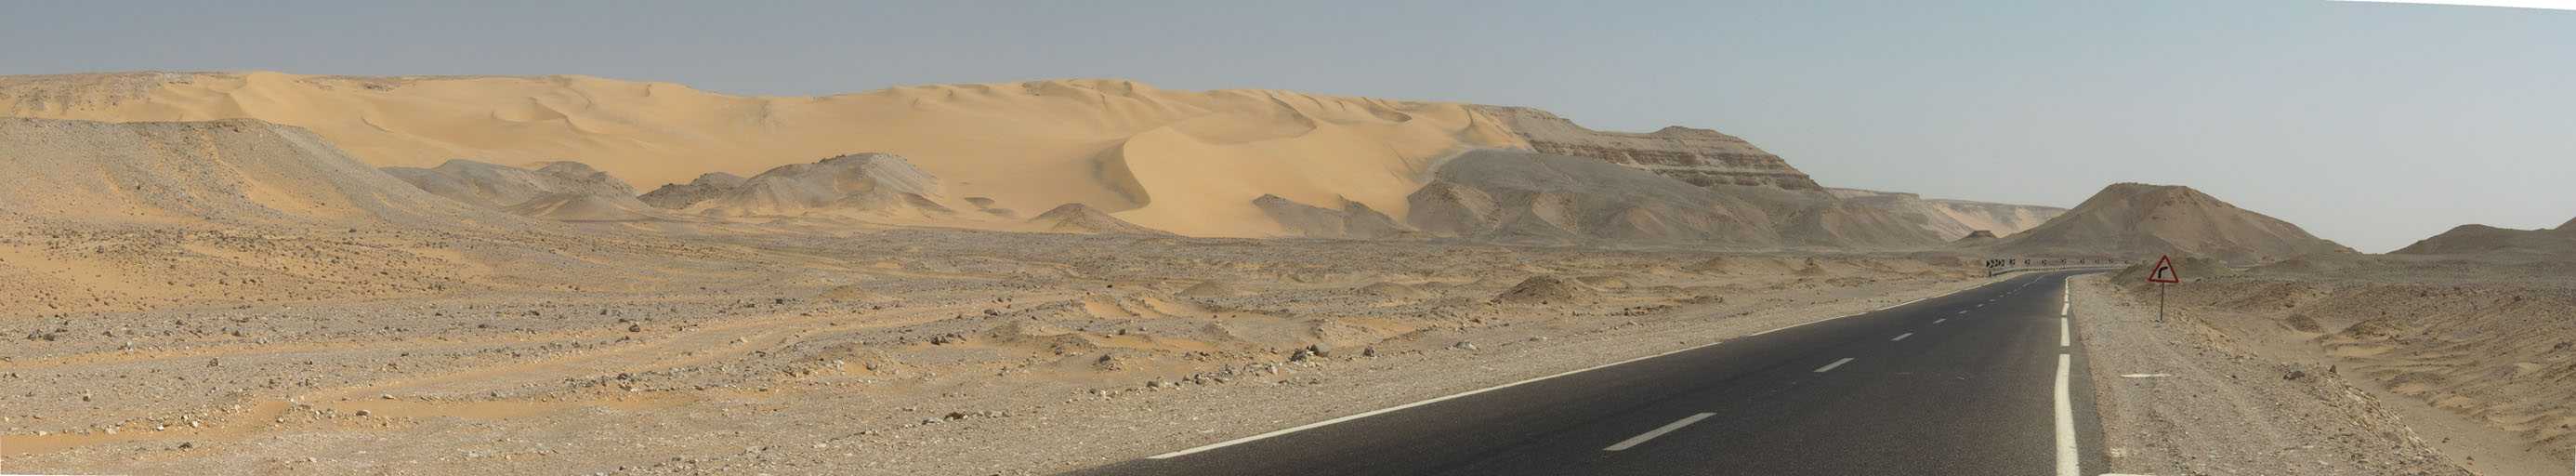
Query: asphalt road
{"x": 1963, "y": 384}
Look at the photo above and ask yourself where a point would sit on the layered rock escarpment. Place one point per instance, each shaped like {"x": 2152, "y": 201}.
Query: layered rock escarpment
{"x": 1698, "y": 156}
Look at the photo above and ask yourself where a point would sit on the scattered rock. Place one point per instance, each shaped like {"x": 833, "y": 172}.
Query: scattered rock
{"x": 1548, "y": 290}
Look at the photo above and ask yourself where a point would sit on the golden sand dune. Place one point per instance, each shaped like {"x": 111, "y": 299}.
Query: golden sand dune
{"x": 1116, "y": 145}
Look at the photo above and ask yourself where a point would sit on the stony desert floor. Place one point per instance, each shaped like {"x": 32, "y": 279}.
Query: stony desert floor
{"x": 897, "y": 351}
{"x": 2357, "y": 365}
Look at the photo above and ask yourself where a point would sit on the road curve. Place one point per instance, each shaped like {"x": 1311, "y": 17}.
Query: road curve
{"x": 1986, "y": 381}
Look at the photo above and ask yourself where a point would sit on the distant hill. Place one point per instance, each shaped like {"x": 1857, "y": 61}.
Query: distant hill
{"x": 1521, "y": 196}
{"x": 2500, "y": 242}
{"x": 2132, "y": 220}
{"x": 1956, "y": 219}
{"x": 561, "y": 190}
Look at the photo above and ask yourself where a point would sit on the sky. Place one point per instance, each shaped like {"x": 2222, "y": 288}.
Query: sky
{"x": 2371, "y": 124}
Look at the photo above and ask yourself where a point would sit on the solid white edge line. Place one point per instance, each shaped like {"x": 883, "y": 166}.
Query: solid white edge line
{"x": 2066, "y": 463}
{"x": 1916, "y": 300}
{"x": 1433, "y": 400}
{"x": 1900, "y": 337}
{"x": 1837, "y": 363}
{"x": 2065, "y": 337}
{"x": 2066, "y": 297}
{"x": 1356, "y": 416}
{"x": 1633, "y": 441}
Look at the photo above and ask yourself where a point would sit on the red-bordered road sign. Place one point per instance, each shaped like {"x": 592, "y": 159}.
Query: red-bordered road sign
{"x": 2165, "y": 272}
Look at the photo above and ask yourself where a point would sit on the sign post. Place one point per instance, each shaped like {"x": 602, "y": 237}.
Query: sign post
{"x": 2163, "y": 274}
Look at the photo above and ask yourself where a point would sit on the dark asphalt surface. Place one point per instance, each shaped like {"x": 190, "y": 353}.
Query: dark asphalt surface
{"x": 1972, "y": 394}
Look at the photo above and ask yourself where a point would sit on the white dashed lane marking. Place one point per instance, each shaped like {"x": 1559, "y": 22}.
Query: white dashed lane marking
{"x": 1633, "y": 441}
{"x": 1830, "y": 367}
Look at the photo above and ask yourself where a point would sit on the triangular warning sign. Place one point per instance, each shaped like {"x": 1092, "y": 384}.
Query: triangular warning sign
{"x": 2165, "y": 272}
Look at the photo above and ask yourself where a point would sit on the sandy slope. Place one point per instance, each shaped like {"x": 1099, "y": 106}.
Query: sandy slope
{"x": 1955, "y": 219}
{"x": 1114, "y": 145}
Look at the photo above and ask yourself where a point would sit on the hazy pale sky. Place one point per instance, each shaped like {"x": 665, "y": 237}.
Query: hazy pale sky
{"x": 2371, "y": 124}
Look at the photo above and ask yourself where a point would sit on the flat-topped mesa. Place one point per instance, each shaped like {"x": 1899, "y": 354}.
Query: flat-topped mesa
{"x": 1699, "y": 156}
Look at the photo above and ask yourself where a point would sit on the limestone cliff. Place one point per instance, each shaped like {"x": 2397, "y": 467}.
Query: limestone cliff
{"x": 1699, "y": 156}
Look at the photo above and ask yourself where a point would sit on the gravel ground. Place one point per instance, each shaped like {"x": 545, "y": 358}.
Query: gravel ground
{"x": 901, "y": 352}
{"x": 2180, "y": 397}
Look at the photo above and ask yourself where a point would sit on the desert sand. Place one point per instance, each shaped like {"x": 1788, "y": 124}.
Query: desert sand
{"x": 601, "y": 347}
{"x": 271, "y": 273}
{"x": 1186, "y": 162}
{"x": 1114, "y": 145}
{"x": 237, "y": 296}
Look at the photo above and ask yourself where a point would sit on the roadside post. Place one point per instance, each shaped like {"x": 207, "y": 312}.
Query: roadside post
{"x": 2163, "y": 274}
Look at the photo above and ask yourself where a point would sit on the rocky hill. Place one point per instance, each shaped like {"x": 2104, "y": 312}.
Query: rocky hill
{"x": 869, "y": 185}
{"x": 228, "y": 173}
{"x": 1520, "y": 196}
{"x": 568, "y": 191}
{"x": 1082, "y": 219}
{"x": 2131, "y": 220}
{"x": 679, "y": 196}
{"x": 1698, "y": 156}
{"x": 2498, "y": 242}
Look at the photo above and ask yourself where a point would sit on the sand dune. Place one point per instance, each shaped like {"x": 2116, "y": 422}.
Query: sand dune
{"x": 1224, "y": 163}
{"x": 1190, "y": 162}
{"x": 1117, "y": 145}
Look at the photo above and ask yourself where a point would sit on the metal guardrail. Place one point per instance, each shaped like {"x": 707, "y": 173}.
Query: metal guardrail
{"x": 1991, "y": 272}
{"x": 2003, "y": 266}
